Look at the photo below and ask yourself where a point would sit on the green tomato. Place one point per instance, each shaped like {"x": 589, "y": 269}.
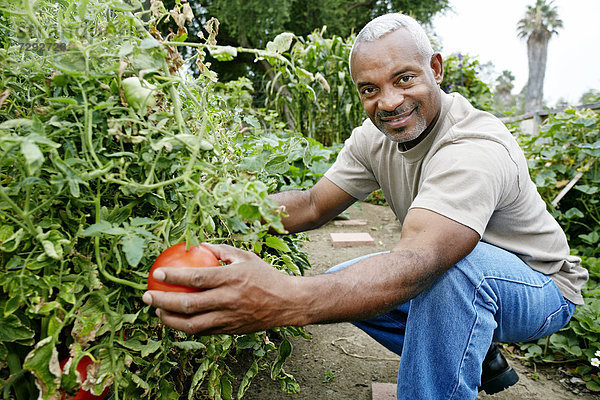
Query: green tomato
{"x": 137, "y": 95}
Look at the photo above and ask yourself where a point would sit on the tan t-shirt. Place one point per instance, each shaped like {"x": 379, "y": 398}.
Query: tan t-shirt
{"x": 469, "y": 169}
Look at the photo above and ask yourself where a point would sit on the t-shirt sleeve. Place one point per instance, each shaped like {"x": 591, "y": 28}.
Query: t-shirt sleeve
{"x": 351, "y": 171}
{"x": 466, "y": 182}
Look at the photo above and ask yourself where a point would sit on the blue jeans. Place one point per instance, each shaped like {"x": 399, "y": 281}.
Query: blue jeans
{"x": 444, "y": 333}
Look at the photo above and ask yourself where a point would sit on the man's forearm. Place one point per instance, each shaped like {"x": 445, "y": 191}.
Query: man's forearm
{"x": 298, "y": 209}
{"x": 309, "y": 209}
{"x": 368, "y": 288}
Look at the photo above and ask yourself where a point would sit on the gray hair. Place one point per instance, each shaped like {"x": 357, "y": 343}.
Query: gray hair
{"x": 387, "y": 23}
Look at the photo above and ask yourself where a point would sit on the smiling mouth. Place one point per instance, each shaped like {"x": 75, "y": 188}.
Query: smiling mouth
{"x": 397, "y": 121}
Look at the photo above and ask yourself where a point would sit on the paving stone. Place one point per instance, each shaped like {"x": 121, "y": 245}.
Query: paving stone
{"x": 351, "y": 222}
{"x": 351, "y": 239}
{"x": 383, "y": 391}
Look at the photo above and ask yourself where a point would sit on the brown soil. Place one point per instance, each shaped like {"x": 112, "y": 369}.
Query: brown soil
{"x": 341, "y": 362}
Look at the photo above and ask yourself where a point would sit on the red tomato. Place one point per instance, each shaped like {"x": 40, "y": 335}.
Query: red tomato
{"x": 82, "y": 369}
{"x": 178, "y": 256}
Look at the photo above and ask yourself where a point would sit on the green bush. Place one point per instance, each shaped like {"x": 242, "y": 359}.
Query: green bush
{"x": 563, "y": 162}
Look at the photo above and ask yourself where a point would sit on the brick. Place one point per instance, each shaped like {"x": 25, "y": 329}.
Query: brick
{"x": 351, "y": 239}
{"x": 383, "y": 391}
{"x": 350, "y": 222}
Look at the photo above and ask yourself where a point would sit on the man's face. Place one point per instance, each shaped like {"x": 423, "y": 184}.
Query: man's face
{"x": 398, "y": 87}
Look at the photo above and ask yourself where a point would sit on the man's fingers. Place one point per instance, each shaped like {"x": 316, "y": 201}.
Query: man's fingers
{"x": 229, "y": 254}
{"x": 194, "y": 277}
{"x": 205, "y": 324}
{"x": 182, "y": 303}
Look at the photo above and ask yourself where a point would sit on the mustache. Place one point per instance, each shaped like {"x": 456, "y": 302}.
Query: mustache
{"x": 398, "y": 111}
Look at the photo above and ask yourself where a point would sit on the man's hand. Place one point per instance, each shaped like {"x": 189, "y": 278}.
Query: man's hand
{"x": 247, "y": 295}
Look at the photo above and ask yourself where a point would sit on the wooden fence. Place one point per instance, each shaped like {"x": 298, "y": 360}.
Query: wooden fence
{"x": 540, "y": 115}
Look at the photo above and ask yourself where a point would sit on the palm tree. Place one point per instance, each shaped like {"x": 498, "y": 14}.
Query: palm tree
{"x": 540, "y": 22}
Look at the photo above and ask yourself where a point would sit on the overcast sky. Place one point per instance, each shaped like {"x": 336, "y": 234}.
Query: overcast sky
{"x": 488, "y": 29}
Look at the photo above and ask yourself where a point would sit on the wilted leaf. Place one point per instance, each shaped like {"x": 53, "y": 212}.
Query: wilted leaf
{"x": 42, "y": 361}
{"x": 281, "y": 43}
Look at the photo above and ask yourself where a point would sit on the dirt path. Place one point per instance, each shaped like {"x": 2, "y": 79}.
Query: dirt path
{"x": 340, "y": 362}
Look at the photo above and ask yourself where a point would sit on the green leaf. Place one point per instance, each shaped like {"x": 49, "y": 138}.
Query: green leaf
{"x": 63, "y": 100}
{"x": 277, "y": 165}
{"x": 3, "y": 352}
{"x": 248, "y": 341}
{"x": 249, "y": 211}
{"x": 139, "y": 382}
{"x": 590, "y": 238}
{"x": 6, "y": 231}
{"x": 574, "y": 212}
{"x": 149, "y": 43}
{"x": 126, "y": 49}
{"x": 12, "y": 305}
{"x": 593, "y": 386}
{"x": 248, "y": 377}
{"x": 285, "y": 349}
{"x": 277, "y": 243}
{"x": 133, "y": 247}
{"x": 226, "y": 388}
{"x": 252, "y": 163}
{"x": 121, "y": 6}
{"x": 12, "y": 243}
{"x": 167, "y": 391}
{"x": 91, "y": 318}
{"x": 139, "y": 221}
{"x": 52, "y": 242}
{"x": 13, "y": 330}
{"x": 33, "y": 156}
{"x": 198, "y": 377}
{"x": 534, "y": 350}
{"x": 16, "y": 123}
{"x": 96, "y": 229}
{"x": 587, "y": 189}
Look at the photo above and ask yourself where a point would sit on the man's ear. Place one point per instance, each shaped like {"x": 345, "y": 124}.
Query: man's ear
{"x": 437, "y": 67}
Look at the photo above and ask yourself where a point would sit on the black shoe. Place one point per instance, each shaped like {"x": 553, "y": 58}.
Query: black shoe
{"x": 496, "y": 374}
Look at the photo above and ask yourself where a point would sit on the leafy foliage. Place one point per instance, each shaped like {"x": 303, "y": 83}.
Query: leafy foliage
{"x": 284, "y": 160}
{"x": 94, "y": 185}
{"x": 461, "y": 75}
{"x": 315, "y": 90}
{"x": 563, "y": 159}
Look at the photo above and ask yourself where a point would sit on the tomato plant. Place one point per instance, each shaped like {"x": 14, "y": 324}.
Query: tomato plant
{"x": 82, "y": 368}
{"x": 96, "y": 182}
{"x": 178, "y": 256}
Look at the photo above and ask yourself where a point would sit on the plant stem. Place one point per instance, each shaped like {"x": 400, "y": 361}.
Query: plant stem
{"x": 24, "y": 217}
{"x": 98, "y": 255}
{"x": 31, "y": 15}
{"x": 141, "y": 186}
{"x": 258, "y": 52}
{"x": 88, "y": 128}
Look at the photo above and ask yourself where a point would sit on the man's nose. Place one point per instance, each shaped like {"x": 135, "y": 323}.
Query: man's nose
{"x": 391, "y": 99}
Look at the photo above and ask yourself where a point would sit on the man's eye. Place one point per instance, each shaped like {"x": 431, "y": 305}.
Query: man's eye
{"x": 405, "y": 78}
{"x": 367, "y": 91}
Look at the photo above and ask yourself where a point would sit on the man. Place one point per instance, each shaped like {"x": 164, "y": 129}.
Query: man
{"x": 479, "y": 258}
